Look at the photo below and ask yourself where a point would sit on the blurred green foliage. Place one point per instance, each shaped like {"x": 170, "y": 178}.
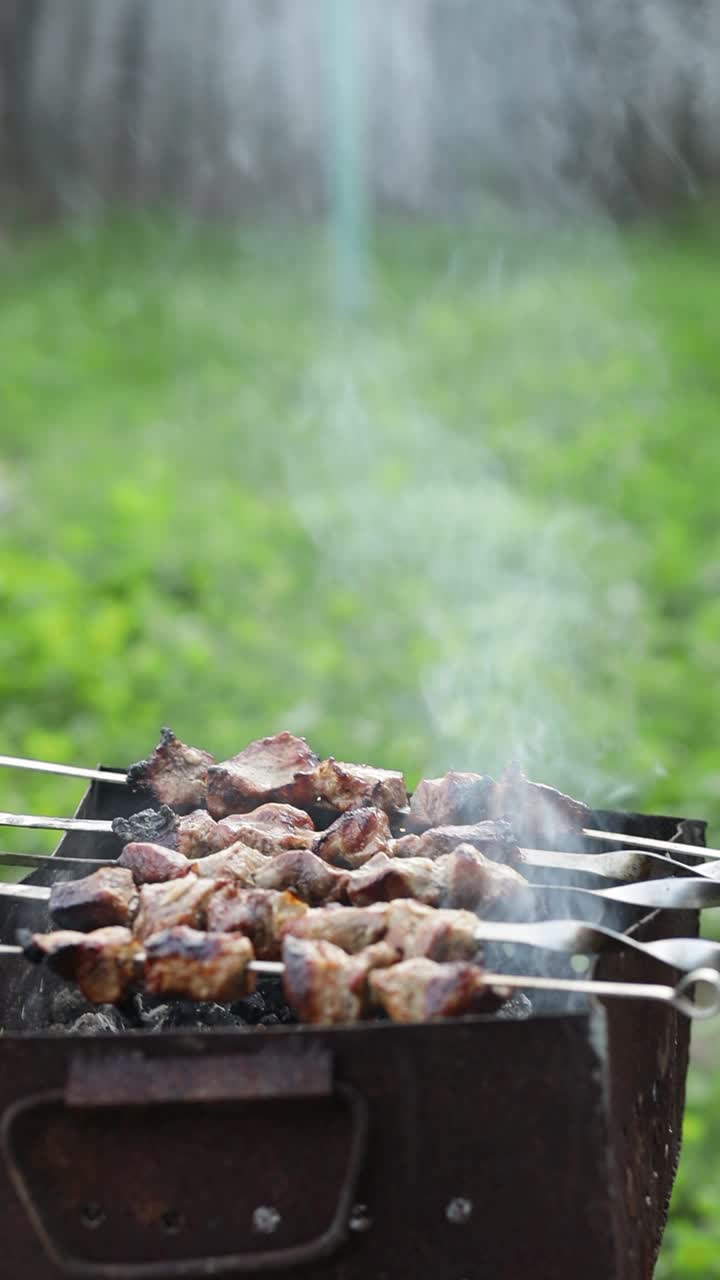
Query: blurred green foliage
{"x": 182, "y": 533}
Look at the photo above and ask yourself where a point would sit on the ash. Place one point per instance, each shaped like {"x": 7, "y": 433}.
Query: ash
{"x": 70, "y": 1013}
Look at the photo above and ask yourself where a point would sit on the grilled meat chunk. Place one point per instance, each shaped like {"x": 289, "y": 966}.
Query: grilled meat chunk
{"x": 278, "y": 768}
{"x": 492, "y": 838}
{"x": 174, "y": 773}
{"x": 309, "y": 878}
{"x": 473, "y": 881}
{"x": 355, "y": 837}
{"x": 421, "y": 990}
{"x": 102, "y": 963}
{"x": 106, "y": 897}
{"x": 539, "y": 815}
{"x": 456, "y": 799}
{"x": 350, "y": 928}
{"x": 349, "y": 786}
{"x": 178, "y": 902}
{"x": 153, "y": 863}
{"x": 384, "y": 878}
{"x": 271, "y": 828}
{"x": 260, "y": 914}
{"x": 198, "y": 835}
{"x": 324, "y": 985}
{"x": 414, "y": 929}
{"x": 238, "y": 863}
{"x": 198, "y": 966}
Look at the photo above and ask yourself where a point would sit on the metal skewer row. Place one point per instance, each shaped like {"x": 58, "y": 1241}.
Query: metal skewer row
{"x": 102, "y": 775}
{"x": 624, "y": 864}
{"x": 696, "y": 995}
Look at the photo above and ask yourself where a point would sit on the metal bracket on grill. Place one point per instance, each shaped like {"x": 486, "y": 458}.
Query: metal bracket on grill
{"x": 104, "y": 1086}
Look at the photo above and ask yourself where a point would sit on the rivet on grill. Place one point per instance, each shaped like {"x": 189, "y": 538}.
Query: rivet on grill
{"x": 459, "y": 1211}
{"x": 266, "y": 1219}
{"x": 172, "y": 1222}
{"x": 359, "y": 1219}
{"x": 92, "y": 1216}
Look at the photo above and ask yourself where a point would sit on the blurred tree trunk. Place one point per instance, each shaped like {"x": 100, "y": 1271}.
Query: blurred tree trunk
{"x": 220, "y": 106}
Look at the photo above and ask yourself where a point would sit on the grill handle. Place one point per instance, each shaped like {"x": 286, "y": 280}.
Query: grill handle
{"x": 129, "y": 1078}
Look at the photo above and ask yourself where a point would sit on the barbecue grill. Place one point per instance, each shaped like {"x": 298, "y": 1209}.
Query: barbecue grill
{"x": 507, "y": 1147}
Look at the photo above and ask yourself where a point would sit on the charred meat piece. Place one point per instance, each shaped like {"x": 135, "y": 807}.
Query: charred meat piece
{"x": 539, "y": 815}
{"x": 324, "y": 985}
{"x": 384, "y": 878}
{"x": 271, "y": 828}
{"x": 260, "y": 914}
{"x": 309, "y": 878}
{"x": 174, "y": 773}
{"x": 198, "y": 966}
{"x": 355, "y": 837}
{"x": 108, "y": 896}
{"x": 238, "y": 863}
{"x": 178, "y": 902}
{"x": 416, "y": 930}
{"x": 278, "y": 768}
{"x": 421, "y": 990}
{"x": 350, "y": 928}
{"x": 492, "y": 838}
{"x": 349, "y": 786}
{"x": 149, "y": 826}
{"x": 153, "y": 863}
{"x": 471, "y": 880}
{"x": 456, "y": 799}
{"x": 104, "y": 963}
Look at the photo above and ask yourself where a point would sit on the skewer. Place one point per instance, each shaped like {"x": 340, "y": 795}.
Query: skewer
{"x": 67, "y": 770}
{"x": 678, "y": 997}
{"x": 574, "y": 937}
{"x": 624, "y": 864}
{"x": 53, "y": 860}
{"x": 102, "y": 775}
{"x": 646, "y": 842}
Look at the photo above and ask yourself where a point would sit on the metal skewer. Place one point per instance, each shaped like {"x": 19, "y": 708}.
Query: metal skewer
{"x": 625, "y": 864}
{"x": 574, "y": 937}
{"x": 646, "y": 842}
{"x": 67, "y": 770}
{"x": 678, "y": 997}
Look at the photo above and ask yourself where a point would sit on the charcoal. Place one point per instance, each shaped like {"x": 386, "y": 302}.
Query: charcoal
{"x": 151, "y": 826}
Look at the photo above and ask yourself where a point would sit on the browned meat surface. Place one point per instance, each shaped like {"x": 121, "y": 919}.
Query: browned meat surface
{"x": 539, "y": 815}
{"x": 417, "y": 930}
{"x": 177, "y": 902}
{"x": 238, "y": 863}
{"x": 102, "y": 963}
{"x": 174, "y": 773}
{"x": 384, "y": 878}
{"x": 420, "y": 990}
{"x": 349, "y": 928}
{"x": 108, "y": 896}
{"x": 348, "y": 786}
{"x": 491, "y": 838}
{"x": 153, "y": 863}
{"x": 198, "y": 834}
{"x": 198, "y": 966}
{"x": 278, "y": 768}
{"x": 324, "y": 985}
{"x": 271, "y": 828}
{"x": 456, "y": 799}
{"x": 473, "y": 881}
{"x": 308, "y": 876}
{"x": 261, "y": 914}
{"x": 355, "y": 837}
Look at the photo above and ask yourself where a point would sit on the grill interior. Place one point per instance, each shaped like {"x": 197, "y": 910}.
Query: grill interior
{"x": 483, "y": 1147}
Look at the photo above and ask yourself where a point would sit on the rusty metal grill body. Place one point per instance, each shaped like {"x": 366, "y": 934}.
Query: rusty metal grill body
{"x": 477, "y": 1149}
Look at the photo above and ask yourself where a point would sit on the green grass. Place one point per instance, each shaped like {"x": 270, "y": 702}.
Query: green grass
{"x": 478, "y": 523}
